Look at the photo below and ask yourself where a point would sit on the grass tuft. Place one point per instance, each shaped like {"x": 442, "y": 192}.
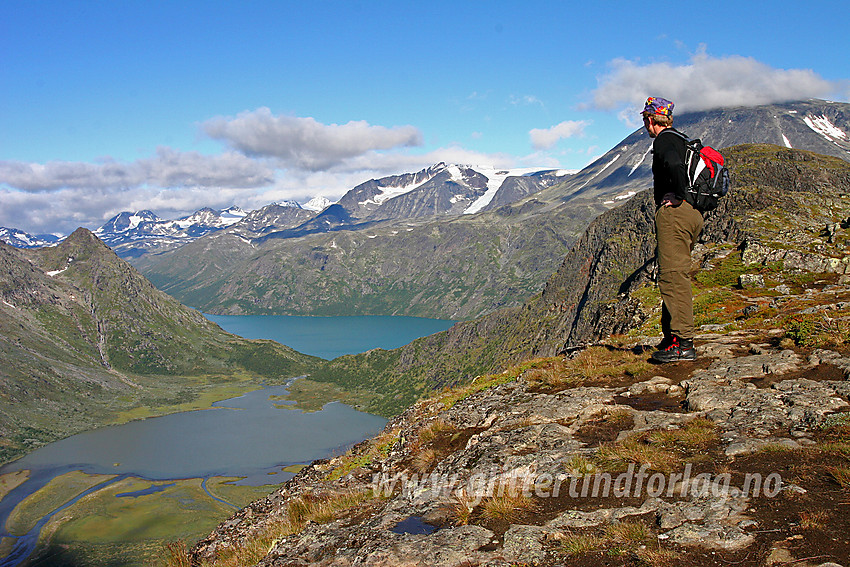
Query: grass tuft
{"x": 578, "y": 544}
{"x": 507, "y": 505}
{"x": 299, "y": 511}
{"x": 841, "y": 475}
{"x": 462, "y": 507}
{"x": 176, "y": 554}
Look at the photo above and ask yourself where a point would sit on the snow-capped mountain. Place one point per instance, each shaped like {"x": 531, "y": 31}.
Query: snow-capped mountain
{"x": 277, "y": 216}
{"x": 21, "y": 239}
{"x": 442, "y": 190}
{"x": 132, "y": 234}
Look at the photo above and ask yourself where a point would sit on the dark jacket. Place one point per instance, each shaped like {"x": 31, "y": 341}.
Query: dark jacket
{"x": 668, "y": 165}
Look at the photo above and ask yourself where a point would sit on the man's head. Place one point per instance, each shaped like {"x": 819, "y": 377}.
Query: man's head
{"x": 657, "y": 115}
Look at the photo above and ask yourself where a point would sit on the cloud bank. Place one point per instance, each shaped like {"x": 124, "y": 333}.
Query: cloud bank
{"x": 269, "y": 158}
{"x": 707, "y": 82}
{"x": 168, "y": 168}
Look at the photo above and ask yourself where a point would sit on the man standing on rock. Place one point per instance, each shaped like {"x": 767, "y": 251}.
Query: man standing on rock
{"x": 677, "y": 227}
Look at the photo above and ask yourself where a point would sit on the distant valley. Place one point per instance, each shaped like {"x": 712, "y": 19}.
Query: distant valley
{"x": 87, "y": 340}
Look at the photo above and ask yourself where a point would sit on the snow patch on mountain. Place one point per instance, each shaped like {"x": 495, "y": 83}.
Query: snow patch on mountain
{"x": 495, "y": 179}
{"x": 20, "y": 239}
{"x": 391, "y": 191}
{"x": 622, "y": 197}
{"x": 598, "y": 173}
{"x": 288, "y": 203}
{"x": 786, "y": 141}
{"x": 640, "y": 161}
{"x": 317, "y": 204}
{"x": 825, "y": 128}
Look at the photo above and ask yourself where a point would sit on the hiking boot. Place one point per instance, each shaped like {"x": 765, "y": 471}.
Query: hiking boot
{"x": 665, "y": 343}
{"x": 678, "y": 349}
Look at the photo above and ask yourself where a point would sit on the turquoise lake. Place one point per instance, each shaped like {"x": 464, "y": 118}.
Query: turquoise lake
{"x": 329, "y": 337}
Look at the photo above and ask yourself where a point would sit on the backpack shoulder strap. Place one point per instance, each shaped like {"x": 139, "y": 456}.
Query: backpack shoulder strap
{"x": 674, "y": 131}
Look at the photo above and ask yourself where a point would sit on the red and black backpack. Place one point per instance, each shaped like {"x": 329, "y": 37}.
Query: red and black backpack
{"x": 707, "y": 174}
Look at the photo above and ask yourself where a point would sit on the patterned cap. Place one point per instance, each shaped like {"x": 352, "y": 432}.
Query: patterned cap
{"x": 656, "y": 105}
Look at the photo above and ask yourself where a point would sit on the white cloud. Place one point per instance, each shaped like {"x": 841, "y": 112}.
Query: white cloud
{"x": 168, "y": 168}
{"x": 704, "y": 83}
{"x": 304, "y": 142}
{"x": 544, "y": 138}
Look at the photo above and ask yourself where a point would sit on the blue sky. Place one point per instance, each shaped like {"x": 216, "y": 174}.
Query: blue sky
{"x": 171, "y": 106}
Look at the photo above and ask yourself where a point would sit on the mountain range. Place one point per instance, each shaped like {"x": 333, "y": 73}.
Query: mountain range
{"x": 449, "y": 241}
{"x": 21, "y": 239}
{"x": 399, "y": 246}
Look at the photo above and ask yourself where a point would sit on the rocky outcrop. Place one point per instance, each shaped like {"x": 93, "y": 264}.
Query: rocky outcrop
{"x": 551, "y": 443}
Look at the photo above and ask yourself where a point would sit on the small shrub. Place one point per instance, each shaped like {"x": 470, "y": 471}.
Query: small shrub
{"x": 725, "y": 273}
{"x": 815, "y": 330}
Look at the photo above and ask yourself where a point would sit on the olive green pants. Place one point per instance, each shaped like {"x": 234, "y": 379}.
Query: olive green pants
{"x": 676, "y": 231}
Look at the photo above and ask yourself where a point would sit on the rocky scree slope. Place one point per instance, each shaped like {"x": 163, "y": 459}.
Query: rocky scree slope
{"x": 782, "y": 200}
{"x": 749, "y": 446}
{"x": 85, "y": 337}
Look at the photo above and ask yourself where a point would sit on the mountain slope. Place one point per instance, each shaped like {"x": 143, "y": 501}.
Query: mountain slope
{"x": 467, "y": 265}
{"x": 85, "y": 337}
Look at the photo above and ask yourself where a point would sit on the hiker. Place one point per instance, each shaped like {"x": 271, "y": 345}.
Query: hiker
{"x": 677, "y": 227}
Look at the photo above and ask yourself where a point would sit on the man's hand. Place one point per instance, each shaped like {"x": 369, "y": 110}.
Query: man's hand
{"x": 670, "y": 200}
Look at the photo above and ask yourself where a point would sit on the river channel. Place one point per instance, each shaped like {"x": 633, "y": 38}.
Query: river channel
{"x": 251, "y": 436}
